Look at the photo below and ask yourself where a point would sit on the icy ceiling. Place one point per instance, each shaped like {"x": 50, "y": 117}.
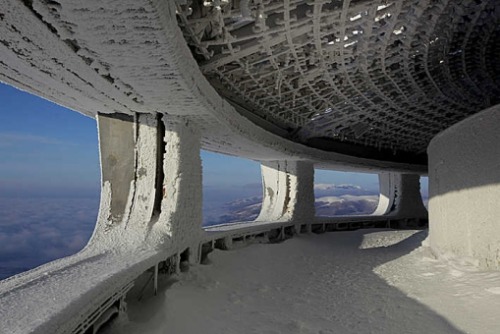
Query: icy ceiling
{"x": 342, "y": 75}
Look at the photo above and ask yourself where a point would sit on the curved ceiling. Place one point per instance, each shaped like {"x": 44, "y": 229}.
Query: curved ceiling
{"x": 366, "y": 78}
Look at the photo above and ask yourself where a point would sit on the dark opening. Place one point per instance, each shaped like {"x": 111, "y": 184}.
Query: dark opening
{"x": 184, "y": 260}
{"x": 160, "y": 175}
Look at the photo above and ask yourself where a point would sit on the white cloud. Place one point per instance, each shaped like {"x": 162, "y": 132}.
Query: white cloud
{"x": 332, "y": 186}
{"x": 348, "y": 198}
{"x": 13, "y": 138}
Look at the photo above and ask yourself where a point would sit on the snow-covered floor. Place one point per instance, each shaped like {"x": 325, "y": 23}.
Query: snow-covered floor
{"x": 366, "y": 281}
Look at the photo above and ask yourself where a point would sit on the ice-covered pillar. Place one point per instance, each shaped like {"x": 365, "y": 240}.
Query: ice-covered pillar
{"x": 181, "y": 208}
{"x": 116, "y": 148}
{"x": 302, "y": 192}
{"x": 151, "y": 183}
{"x": 400, "y": 196}
{"x": 464, "y": 190}
{"x": 128, "y": 149}
{"x": 288, "y": 193}
{"x": 386, "y": 194}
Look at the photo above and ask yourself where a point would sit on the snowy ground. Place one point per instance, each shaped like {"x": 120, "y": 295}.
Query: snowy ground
{"x": 367, "y": 281}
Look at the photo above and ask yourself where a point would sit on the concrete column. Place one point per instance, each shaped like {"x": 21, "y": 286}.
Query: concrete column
{"x": 408, "y": 200}
{"x": 128, "y": 152}
{"x": 387, "y": 194}
{"x": 181, "y": 207}
{"x": 151, "y": 183}
{"x": 146, "y": 149}
{"x": 301, "y": 206}
{"x": 400, "y": 196}
{"x": 464, "y": 189}
{"x": 116, "y": 148}
{"x": 288, "y": 193}
{"x": 275, "y": 190}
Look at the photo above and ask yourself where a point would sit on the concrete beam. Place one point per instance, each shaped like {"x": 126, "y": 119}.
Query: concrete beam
{"x": 386, "y": 194}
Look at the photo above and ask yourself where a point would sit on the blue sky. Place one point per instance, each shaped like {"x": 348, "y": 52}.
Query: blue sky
{"x": 44, "y": 147}
{"x": 227, "y": 171}
{"x": 48, "y": 149}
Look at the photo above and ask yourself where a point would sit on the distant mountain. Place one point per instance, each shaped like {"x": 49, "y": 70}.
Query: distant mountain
{"x": 247, "y": 209}
{"x": 332, "y": 186}
{"x": 346, "y": 205}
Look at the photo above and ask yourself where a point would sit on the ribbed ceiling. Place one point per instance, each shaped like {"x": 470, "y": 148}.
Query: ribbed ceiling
{"x": 376, "y": 75}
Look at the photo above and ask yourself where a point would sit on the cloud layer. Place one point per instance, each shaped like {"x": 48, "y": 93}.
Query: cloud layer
{"x": 34, "y": 231}
{"x": 38, "y": 230}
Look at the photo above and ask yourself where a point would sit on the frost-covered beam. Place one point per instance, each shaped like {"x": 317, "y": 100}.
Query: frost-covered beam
{"x": 400, "y": 196}
{"x": 288, "y": 193}
{"x": 131, "y": 57}
{"x": 40, "y": 56}
{"x": 464, "y": 189}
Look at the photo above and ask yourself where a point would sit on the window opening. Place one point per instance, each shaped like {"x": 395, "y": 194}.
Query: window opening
{"x": 232, "y": 189}
{"x": 49, "y": 181}
{"x": 345, "y": 193}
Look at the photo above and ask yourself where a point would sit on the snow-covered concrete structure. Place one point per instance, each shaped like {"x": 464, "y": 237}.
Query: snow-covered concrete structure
{"x": 347, "y": 85}
{"x": 464, "y": 190}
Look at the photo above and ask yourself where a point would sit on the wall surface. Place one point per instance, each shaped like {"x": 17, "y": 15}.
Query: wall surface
{"x": 464, "y": 189}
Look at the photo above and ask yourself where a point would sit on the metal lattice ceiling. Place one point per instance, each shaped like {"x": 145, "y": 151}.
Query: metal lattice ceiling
{"x": 385, "y": 76}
